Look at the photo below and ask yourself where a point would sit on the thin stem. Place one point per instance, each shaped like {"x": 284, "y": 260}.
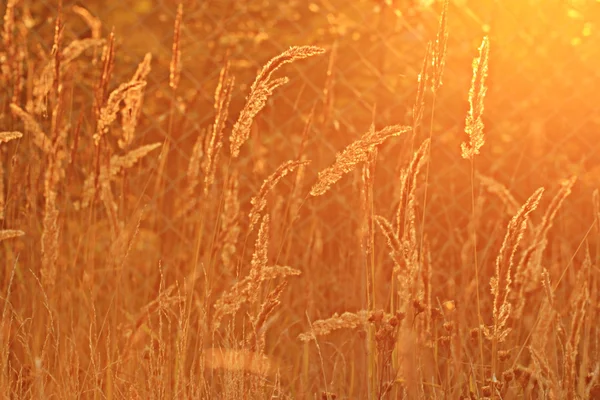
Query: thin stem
{"x": 476, "y": 265}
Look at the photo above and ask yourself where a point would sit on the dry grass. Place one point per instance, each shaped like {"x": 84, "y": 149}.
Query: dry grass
{"x": 122, "y": 281}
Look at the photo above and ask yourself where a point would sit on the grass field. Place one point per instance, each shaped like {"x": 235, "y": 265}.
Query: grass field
{"x": 222, "y": 257}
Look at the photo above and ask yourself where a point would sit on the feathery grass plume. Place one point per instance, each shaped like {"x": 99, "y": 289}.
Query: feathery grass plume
{"x": 422, "y": 82}
{"x": 348, "y": 320}
{"x": 438, "y": 56}
{"x": 43, "y": 84}
{"x": 230, "y": 224}
{"x": 31, "y": 126}
{"x": 116, "y": 165}
{"x": 92, "y": 22}
{"x": 474, "y": 122}
{"x": 572, "y": 346}
{"x": 501, "y": 282}
{"x": 215, "y": 141}
{"x": 259, "y": 201}
{"x": 260, "y": 322}
{"x": 10, "y": 233}
{"x": 132, "y": 103}
{"x": 175, "y": 66}
{"x": 108, "y": 63}
{"x": 555, "y": 205}
{"x": 262, "y": 89}
{"x": 529, "y": 269}
{"x": 260, "y": 258}
{"x": 356, "y": 153}
{"x": 6, "y": 137}
{"x": 108, "y": 113}
{"x": 394, "y": 243}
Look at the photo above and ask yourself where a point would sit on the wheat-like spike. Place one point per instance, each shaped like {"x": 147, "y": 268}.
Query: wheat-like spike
{"x": 230, "y": 220}
{"x": 262, "y": 89}
{"x": 348, "y": 320}
{"x": 405, "y": 214}
{"x": 422, "y": 84}
{"x": 215, "y": 141}
{"x": 143, "y": 69}
{"x": 133, "y": 103}
{"x": 474, "y": 121}
{"x": 108, "y": 113}
{"x": 290, "y": 55}
{"x": 438, "y": 56}
{"x": 393, "y": 242}
{"x": 501, "y": 282}
{"x": 566, "y": 188}
{"x": 6, "y": 137}
{"x": 10, "y": 233}
{"x": 572, "y": 346}
{"x": 357, "y": 152}
{"x": 175, "y": 66}
{"x": 259, "y": 201}
{"x": 31, "y": 126}
{"x": 256, "y": 102}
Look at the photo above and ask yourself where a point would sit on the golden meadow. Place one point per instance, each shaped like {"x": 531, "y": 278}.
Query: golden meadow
{"x": 249, "y": 261}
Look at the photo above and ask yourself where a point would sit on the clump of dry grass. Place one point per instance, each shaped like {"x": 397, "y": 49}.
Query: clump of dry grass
{"x": 246, "y": 290}
{"x": 219, "y": 321}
